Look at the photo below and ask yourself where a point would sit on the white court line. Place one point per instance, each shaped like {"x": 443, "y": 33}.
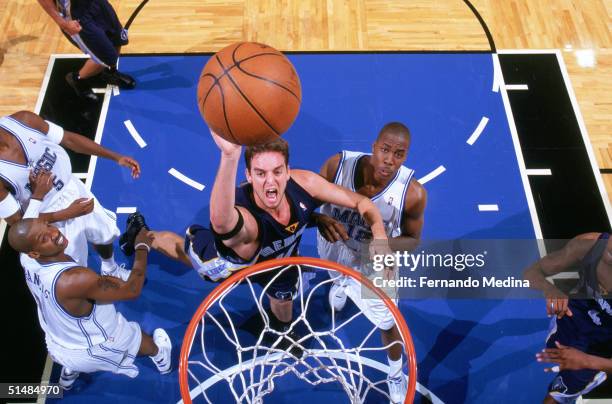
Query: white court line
{"x": 526, "y": 51}
{"x": 565, "y": 275}
{"x": 182, "y": 177}
{"x": 432, "y": 175}
{"x": 585, "y": 137}
{"x": 519, "y": 87}
{"x": 98, "y": 138}
{"x": 241, "y": 367}
{"x": 130, "y": 127}
{"x": 496, "y": 74}
{"x": 538, "y": 171}
{"x": 115, "y": 91}
{"x": 125, "y": 209}
{"x": 99, "y": 90}
{"x": 478, "y": 131}
{"x": 521, "y": 162}
{"x": 488, "y": 208}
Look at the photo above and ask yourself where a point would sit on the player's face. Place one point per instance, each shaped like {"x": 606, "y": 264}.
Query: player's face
{"x": 268, "y": 175}
{"x": 46, "y": 240}
{"x": 388, "y": 154}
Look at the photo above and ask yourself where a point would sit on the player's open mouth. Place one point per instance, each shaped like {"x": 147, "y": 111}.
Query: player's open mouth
{"x": 60, "y": 240}
{"x": 271, "y": 194}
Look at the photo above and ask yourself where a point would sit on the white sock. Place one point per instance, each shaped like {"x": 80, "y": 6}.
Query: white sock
{"x": 395, "y": 367}
{"x": 108, "y": 265}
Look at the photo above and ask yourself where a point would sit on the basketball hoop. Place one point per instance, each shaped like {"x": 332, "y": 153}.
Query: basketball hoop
{"x": 247, "y": 368}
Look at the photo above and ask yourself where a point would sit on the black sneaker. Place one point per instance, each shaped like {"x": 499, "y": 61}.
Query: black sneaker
{"x": 116, "y": 78}
{"x": 81, "y": 89}
{"x": 135, "y": 222}
{"x": 288, "y": 343}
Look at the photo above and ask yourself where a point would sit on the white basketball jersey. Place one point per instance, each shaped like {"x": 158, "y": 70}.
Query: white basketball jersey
{"x": 41, "y": 154}
{"x": 60, "y": 326}
{"x": 389, "y": 201}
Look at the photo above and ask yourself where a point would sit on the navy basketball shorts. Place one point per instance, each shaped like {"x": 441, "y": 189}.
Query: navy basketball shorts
{"x": 202, "y": 251}
{"x": 577, "y": 332}
{"x": 101, "y": 32}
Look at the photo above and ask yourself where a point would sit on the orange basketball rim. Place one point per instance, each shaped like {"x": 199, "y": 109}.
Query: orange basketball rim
{"x": 284, "y": 262}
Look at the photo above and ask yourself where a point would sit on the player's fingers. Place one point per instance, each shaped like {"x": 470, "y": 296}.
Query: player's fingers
{"x": 327, "y": 235}
{"x": 341, "y": 231}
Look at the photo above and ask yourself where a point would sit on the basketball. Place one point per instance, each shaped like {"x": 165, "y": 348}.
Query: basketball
{"x": 249, "y": 93}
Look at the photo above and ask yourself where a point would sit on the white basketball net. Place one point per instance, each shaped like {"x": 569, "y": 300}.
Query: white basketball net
{"x": 327, "y": 358}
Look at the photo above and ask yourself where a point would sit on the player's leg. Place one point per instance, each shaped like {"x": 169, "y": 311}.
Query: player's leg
{"x": 118, "y": 37}
{"x": 379, "y": 314}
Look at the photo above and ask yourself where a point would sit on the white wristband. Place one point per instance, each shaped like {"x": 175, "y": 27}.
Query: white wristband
{"x": 9, "y": 206}
{"x": 55, "y": 133}
{"x": 33, "y": 209}
{"x": 142, "y": 244}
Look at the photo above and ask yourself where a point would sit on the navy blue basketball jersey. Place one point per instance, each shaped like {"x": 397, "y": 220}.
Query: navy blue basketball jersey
{"x": 592, "y": 304}
{"x": 276, "y": 240}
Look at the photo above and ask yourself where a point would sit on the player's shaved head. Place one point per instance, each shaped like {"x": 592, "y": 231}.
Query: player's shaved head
{"x": 395, "y": 128}
{"x": 18, "y": 235}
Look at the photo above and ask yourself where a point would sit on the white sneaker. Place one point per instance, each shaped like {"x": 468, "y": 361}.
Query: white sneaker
{"x": 67, "y": 378}
{"x": 162, "y": 340}
{"x": 118, "y": 271}
{"x": 398, "y": 387}
{"x": 337, "y": 297}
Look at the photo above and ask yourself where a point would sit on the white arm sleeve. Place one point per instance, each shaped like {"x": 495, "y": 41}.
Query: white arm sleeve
{"x": 9, "y": 206}
{"x": 56, "y": 133}
{"x": 32, "y": 210}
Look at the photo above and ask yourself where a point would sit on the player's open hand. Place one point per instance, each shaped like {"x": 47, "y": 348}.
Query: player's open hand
{"x": 567, "y": 357}
{"x": 130, "y": 163}
{"x": 71, "y": 27}
{"x": 331, "y": 229}
{"x": 558, "y": 306}
{"x": 40, "y": 183}
{"x": 227, "y": 148}
{"x": 79, "y": 207}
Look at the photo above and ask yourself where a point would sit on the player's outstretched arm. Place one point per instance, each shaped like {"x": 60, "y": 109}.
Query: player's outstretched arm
{"x": 75, "y": 142}
{"x": 224, "y": 215}
{"x": 325, "y": 191}
{"x": 83, "y": 283}
{"x": 553, "y": 263}
{"x": 569, "y": 358}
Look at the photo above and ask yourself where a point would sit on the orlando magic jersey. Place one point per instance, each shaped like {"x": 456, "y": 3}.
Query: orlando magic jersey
{"x": 276, "y": 240}
{"x": 592, "y": 305}
{"x": 389, "y": 201}
{"x": 41, "y": 153}
{"x": 61, "y": 327}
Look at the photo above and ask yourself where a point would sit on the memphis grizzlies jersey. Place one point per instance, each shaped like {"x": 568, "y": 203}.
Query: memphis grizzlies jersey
{"x": 592, "y": 305}
{"x": 389, "y": 201}
{"x": 60, "y": 326}
{"x": 276, "y": 240}
{"x": 41, "y": 153}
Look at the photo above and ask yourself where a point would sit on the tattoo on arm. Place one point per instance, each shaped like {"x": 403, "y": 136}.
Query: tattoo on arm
{"x": 107, "y": 282}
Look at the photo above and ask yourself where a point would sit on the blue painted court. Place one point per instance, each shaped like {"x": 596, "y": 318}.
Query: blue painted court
{"x": 468, "y": 351}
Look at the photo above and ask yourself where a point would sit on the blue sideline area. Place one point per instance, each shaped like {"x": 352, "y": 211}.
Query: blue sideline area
{"x": 468, "y": 350}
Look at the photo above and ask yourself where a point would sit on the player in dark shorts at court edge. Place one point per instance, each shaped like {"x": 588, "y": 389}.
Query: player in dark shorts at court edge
{"x": 580, "y": 337}
{"x": 92, "y": 26}
{"x": 261, "y": 220}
